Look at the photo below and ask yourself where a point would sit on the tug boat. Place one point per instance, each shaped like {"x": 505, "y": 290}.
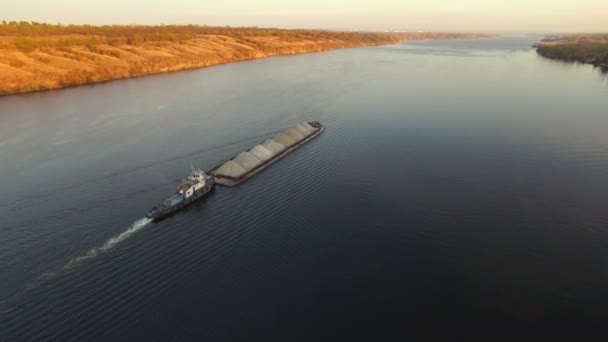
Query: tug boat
{"x": 192, "y": 188}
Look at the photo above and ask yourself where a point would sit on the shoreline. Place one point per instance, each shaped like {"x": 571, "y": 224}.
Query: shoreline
{"x": 65, "y": 57}
{"x": 572, "y": 60}
{"x": 590, "y": 49}
{"x": 163, "y": 72}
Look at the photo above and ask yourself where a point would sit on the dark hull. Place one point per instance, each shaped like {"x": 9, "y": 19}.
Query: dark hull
{"x": 169, "y": 211}
{"x": 232, "y": 181}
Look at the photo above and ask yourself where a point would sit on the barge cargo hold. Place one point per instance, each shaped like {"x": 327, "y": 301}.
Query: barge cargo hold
{"x": 249, "y": 163}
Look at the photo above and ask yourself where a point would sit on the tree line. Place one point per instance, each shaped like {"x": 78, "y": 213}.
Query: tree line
{"x": 32, "y": 35}
{"x": 593, "y": 53}
{"x": 170, "y": 32}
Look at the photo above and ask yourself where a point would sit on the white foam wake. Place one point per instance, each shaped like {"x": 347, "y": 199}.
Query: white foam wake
{"x": 109, "y": 244}
{"x": 94, "y": 252}
{"x": 77, "y": 261}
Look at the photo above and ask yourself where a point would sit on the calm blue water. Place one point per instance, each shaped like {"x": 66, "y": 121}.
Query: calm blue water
{"x": 459, "y": 191}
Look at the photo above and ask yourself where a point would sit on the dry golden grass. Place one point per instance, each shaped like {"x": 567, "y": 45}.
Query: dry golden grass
{"x": 57, "y": 57}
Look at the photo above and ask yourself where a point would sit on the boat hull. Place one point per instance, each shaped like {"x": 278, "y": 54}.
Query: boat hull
{"x": 171, "y": 210}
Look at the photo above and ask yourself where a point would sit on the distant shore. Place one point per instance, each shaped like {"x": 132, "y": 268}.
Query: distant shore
{"x": 589, "y": 49}
{"x": 35, "y": 57}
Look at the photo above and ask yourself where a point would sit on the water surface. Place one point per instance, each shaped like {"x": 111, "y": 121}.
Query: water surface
{"x": 460, "y": 190}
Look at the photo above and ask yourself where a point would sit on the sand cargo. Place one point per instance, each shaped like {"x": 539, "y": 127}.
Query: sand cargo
{"x": 246, "y": 164}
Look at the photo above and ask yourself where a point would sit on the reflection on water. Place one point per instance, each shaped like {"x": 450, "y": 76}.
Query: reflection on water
{"x": 457, "y": 182}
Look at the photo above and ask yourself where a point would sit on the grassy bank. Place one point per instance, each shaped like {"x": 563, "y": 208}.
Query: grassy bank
{"x": 35, "y": 56}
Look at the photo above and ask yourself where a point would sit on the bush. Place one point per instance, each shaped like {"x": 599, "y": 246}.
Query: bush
{"x": 24, "y": 44}
{"x": 135, "y": 40}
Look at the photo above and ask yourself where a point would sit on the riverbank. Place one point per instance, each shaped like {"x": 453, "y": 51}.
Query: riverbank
{"x": 36, "y": 57}
{"x": 588, "y": 49}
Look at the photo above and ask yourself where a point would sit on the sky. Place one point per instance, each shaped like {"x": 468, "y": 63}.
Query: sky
{"x": 521, "y": 16}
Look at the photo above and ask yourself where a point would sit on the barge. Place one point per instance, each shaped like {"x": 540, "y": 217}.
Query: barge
{"x": 195, "y": 186}
{"x": 249, "y": 163}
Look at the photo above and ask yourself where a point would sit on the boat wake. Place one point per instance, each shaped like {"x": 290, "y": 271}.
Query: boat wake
{"x": 5, "y": 305}
{"x": 91, "y": 254}
{"x": 109, "y": 244}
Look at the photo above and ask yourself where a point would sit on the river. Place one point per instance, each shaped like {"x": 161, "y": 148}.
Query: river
{"x": 460, "y": 190}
